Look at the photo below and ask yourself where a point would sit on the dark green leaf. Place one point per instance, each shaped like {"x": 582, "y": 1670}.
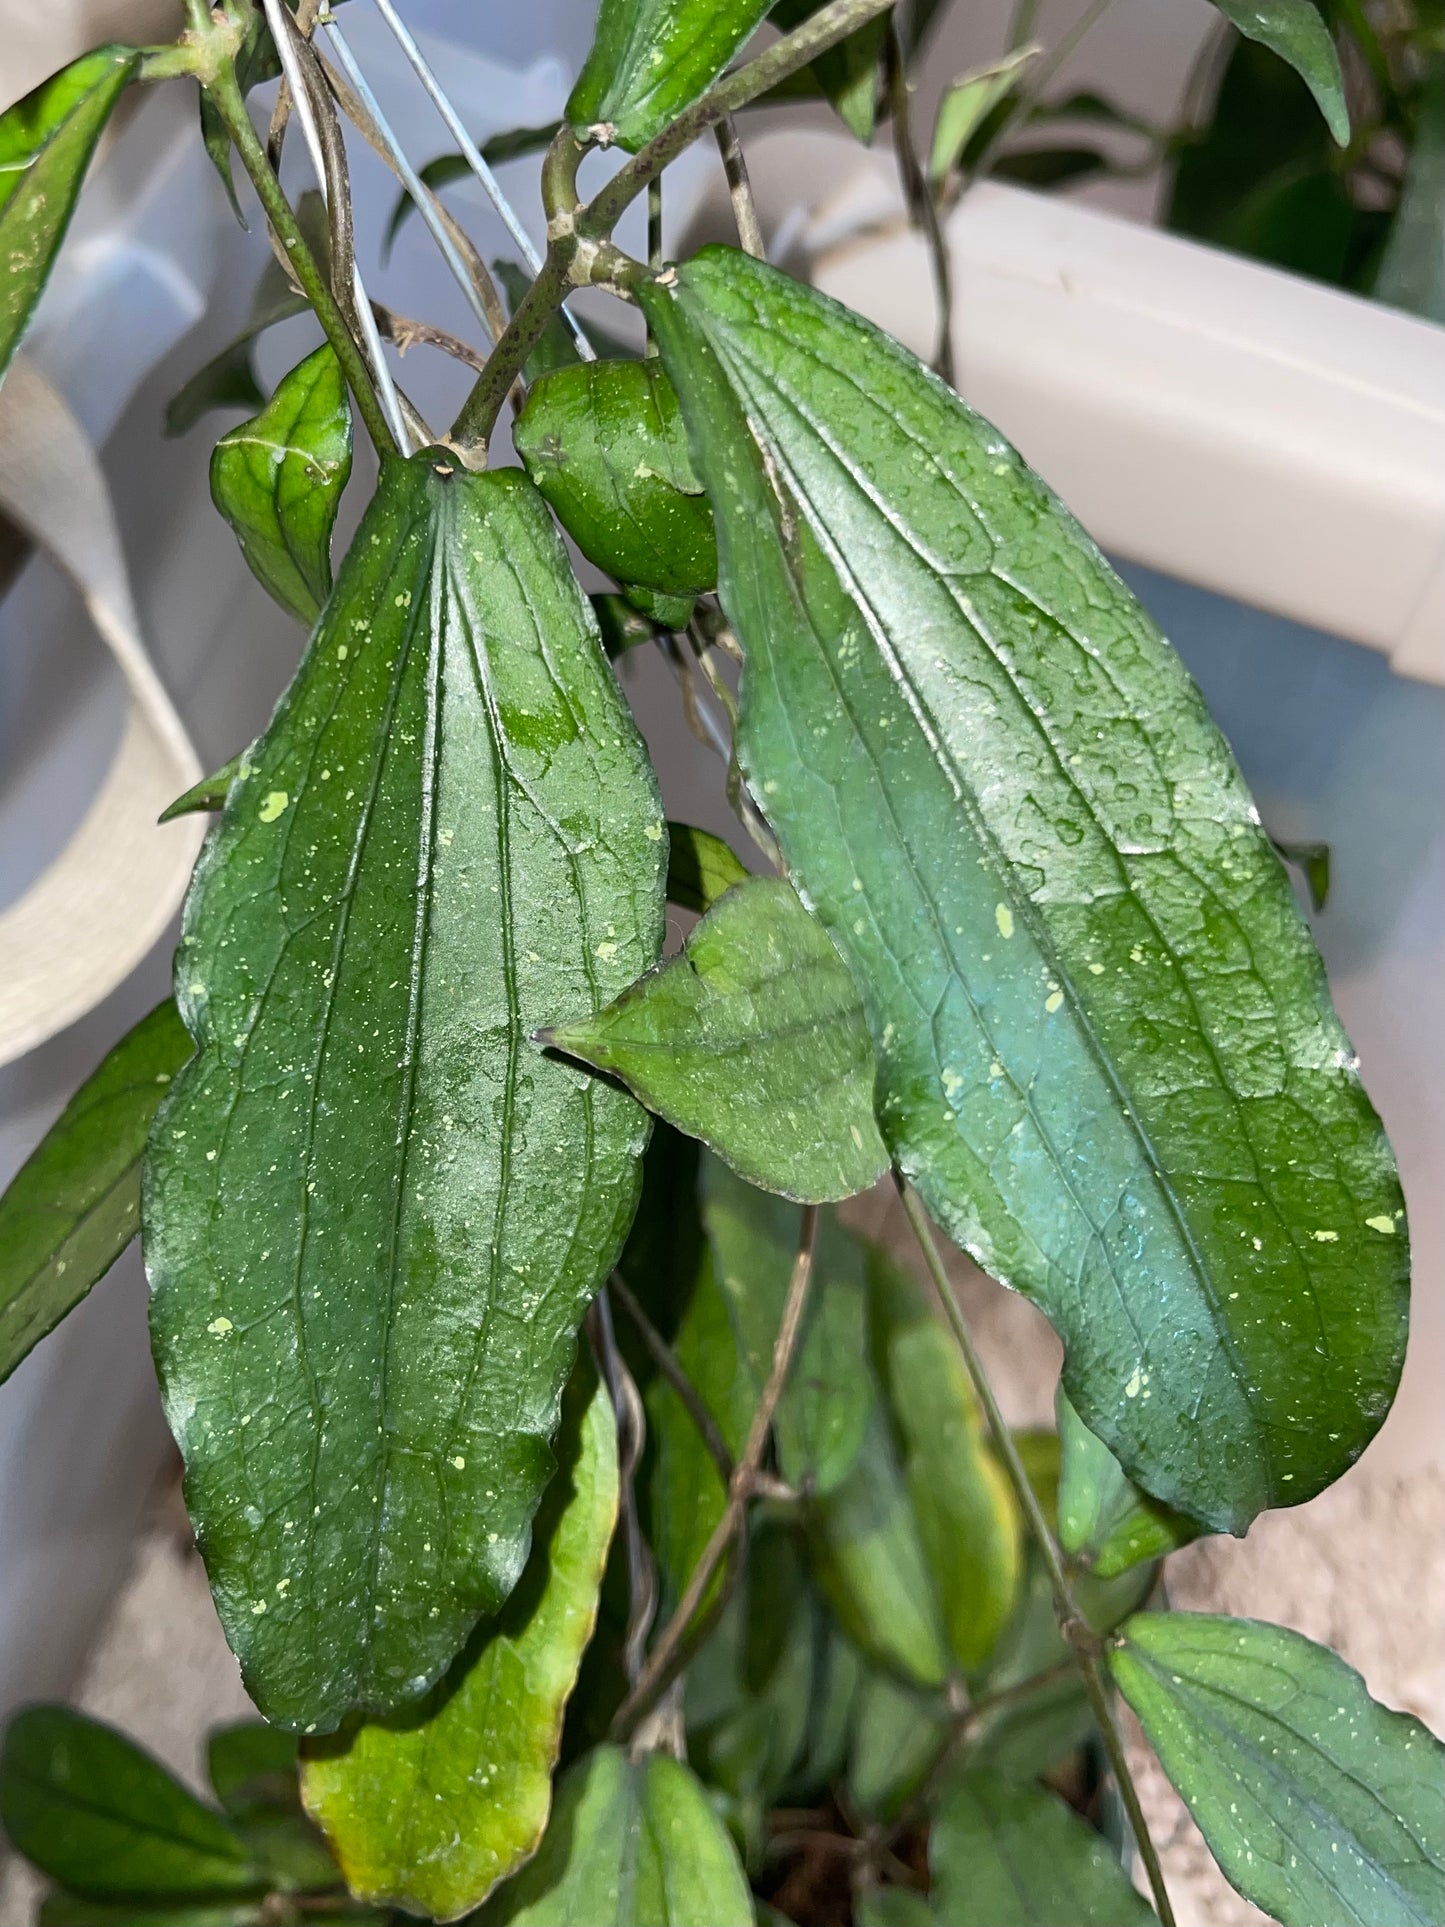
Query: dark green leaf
{"x": 1301, "y": 218}
{"x": 895, "y": 1735}
{"x": 753, "y": 1040}
{"x": 1412, "y": 269}
{"x": 967, "y": 101}
{"x": 468, "y": 1826}
{"x": 1106, "y": 1051}
{"x": 849, "y": 74}
{"x": 1296, "y": 31}
{"x": 1007, "y": 1854}
{"x": 98, "y": 1815}
{"x": 967, "y": 1518}
{"x": 513, "y": 145}
{"x": 46, "y": 141}
{"x": 374, "y": 1215}
{"x": 604, "y": 442}
{"x": 206, "y": 796}
{"x": 623, "y": 626}
{"x": 1105, "y": 1521}
{"x": 278, "y": 479}
{"x": 1087, "y": 105}
{"x": 825, "y": 1407}
{"x": 632, "y": 1843}
{"x": 869, "y": 1562}
{"x": 1321, "y": 1806}
{"x": 700, "y": 868}
{"x": 652, "y": 58}
{"x": 1050, "y": 166}
{"x": 74, "y": 1205}
{"x": 1312, "y": 860}
{"x": 252, "y": 1765}
{"x": 669, "y": 612}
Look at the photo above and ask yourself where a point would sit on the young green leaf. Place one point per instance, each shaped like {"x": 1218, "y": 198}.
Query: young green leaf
{"x": 46, "y": 141}
{"x": 205, "y": 797}
{"x": 849, "y": 74}
{"x": 98, "y": 1815}
{"x": 632, "y": 1843}
{"x": 74, "y": 1205}
{"x": 251, "y": 1765}
{"x": 826, "y": 1404}
{"x": 1007, "y": 1854}
{"x": 968, "y": 101}
{"x": 1321, "y": 1806}
{"x": 1105, "y": 1521}
{"x": 409, "y": 1815}
{"x": 650, "y": 59}
{"x": 1106, "y": 1052}
{"x": 278, "y": 478}
{"x": 753, "y": 1039}
{"x": 1411, "y": 274}
{"x": 374, "y": 1216}
{"x": 1312, "y": 860}
{"x": 869, "y": 1562}
{"x": 1296, "y": 31}
{"x": 967, "y": 1518}
{"x": 700, "y": 868}
{"x": 605, "y": 444}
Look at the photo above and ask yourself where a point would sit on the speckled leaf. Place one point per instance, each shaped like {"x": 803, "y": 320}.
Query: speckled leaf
{"x": 1322, "y": 1807}
{"x": 107, "y": 1821}
{"x": 278, "y": 479}
{"x": 967, "y": 1518}
{"x": 605, "y": 444}
{"x": 1008, "y": 1854}
{"x": 46, "y": 141}
{"x": 1105, "y": 1521}
{"x": 753, "y": 1039}
{"x": 1296, "y": 31}
{"x": 826, "y": 1403}
{"x": 632, "y": 1843}
{"x": 374, "y": 1214}
{"x": 74, "y": 1205}
{"x": 1106, "y": 1052}
{"x": 652, "y": 58}
{"x": 700, "y": 867}
{"x": 431, "y": 1809}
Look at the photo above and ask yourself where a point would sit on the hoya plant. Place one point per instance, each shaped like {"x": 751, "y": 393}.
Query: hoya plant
{"x": 605, "y": 1532}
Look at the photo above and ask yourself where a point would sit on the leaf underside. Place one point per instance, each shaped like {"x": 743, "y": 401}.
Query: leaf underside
{"x": 374, "y": 1213}
{"x": 1107, "y": 1056}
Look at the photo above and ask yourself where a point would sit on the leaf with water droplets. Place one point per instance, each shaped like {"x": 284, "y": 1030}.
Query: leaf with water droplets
{"x": 1322, "y": 1806}
{"x": 652, "y": 58}
{"x": 1106, "y": 1052}
{"x": 374, "y": 1213}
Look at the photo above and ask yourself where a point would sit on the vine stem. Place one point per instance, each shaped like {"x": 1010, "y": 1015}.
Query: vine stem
{"x": 669, "y": 1653}
{"x": 226, "y": 96}
{"x": 668, "y": 1363}
{"x": 918, "y": 192}
{"x": 1082, "y": 1640}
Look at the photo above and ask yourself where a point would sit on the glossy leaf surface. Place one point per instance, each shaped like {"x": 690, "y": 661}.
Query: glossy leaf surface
{"x": 107, "y": 1821}
{"x": 632, "y": 1843}
{"x": 604, "y": 442}
{"x": 431, "y": 1809}
{"x": 967, "y": 1519}
{"x": 1321, "y": 1806}
{"x": 652, "y": 58}
{"x": 700, "y": 867}
{"x": 1106, "y": 1053}
{"x": 278, "y": 479}
{"x": 46, "y": 141}
{"x": 74, "y": 1205}
{"x": 753, "y": 1039}
{"x": 1105, "y": 1521}
{"x": 374, "y": 1213}
{"x": 1296, "y": 31}
{"x": 825, "y": 1407}
{"x": 1009, "y": 1854}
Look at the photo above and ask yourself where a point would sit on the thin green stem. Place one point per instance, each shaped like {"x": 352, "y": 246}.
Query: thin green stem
{"x": 1080, "y": 1636}
{"x": 786, "y": 56}
{"x": 226, "y": 96}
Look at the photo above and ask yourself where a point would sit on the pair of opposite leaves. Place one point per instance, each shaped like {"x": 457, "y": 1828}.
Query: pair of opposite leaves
{"x": 1104, "y": 1050}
